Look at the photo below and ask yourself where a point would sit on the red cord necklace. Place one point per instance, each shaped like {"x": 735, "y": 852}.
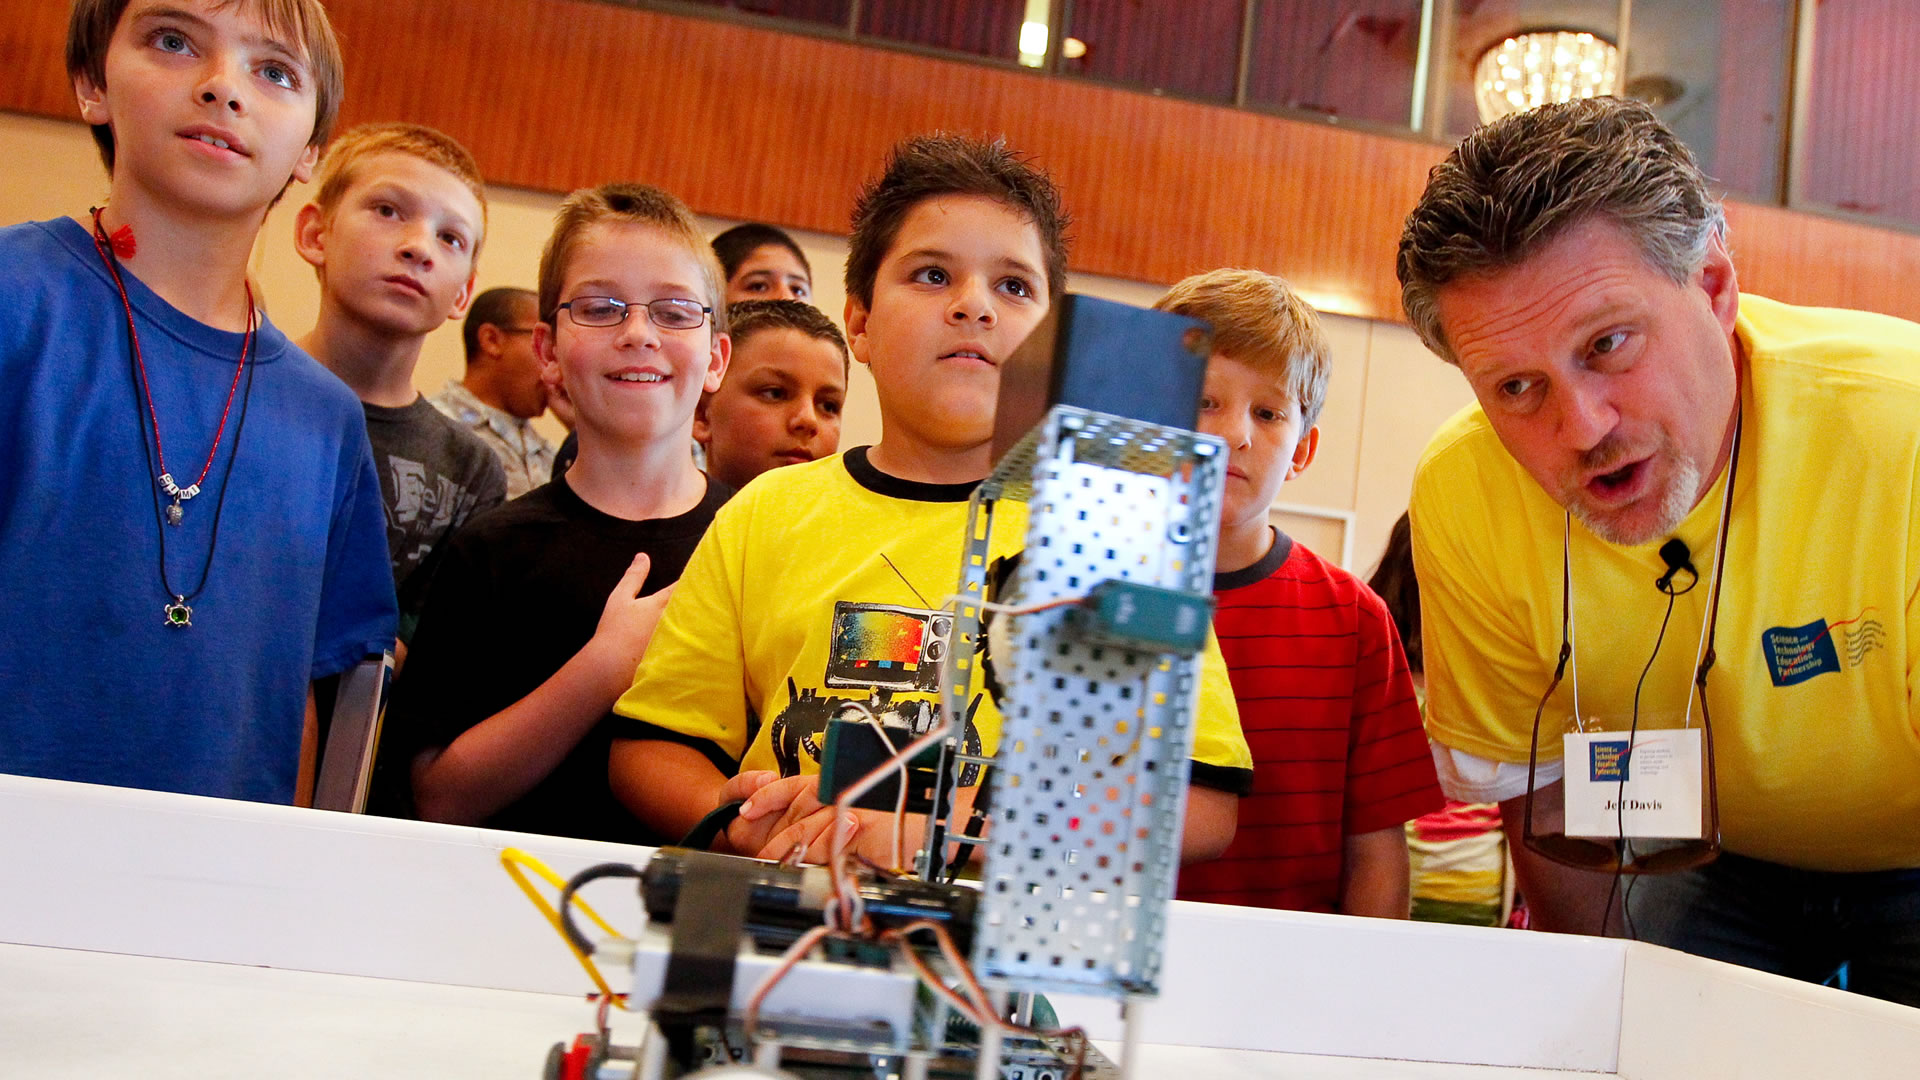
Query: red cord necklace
{"x": 175, "y": 512}
{"x": 178, "y": 613}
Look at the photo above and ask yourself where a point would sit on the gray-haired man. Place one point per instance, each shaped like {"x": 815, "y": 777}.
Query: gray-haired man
{"x": 1719, "y": 483}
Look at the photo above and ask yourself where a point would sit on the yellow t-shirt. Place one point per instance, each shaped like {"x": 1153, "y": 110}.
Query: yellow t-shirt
{"x": 1816, "y": 726}
{"x": 823, "y": 581}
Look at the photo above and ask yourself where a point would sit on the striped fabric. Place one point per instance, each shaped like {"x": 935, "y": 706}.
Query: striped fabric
{"x": 1459, "y": 861}
{"x": 1328, "y": 708}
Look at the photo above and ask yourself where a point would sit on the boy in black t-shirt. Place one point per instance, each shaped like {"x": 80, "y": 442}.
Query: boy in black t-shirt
{"x": 393, "y": 234}
{"x": 522, "y": 650}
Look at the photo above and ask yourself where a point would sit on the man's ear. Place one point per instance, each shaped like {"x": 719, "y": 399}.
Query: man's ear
{"x": 1303, "y": 451}
{"x": 93, "y": 100}
{"x": 310, "y": 235}
{"x": 856, "y": 319}
{"x": 491, "y": 340}
{"x": 309, "y": 160}
{"x": 461, "y": 301}
{"x": 717, "y": 361}
{"x": 1717, "y": 279}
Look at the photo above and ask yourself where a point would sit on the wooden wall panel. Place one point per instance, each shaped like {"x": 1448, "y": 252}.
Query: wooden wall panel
{"x": 1807, "y": 259}
{"x": 750, "y": 123}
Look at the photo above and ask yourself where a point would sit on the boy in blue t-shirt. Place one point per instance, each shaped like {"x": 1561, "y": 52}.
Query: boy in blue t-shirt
{"x": 190, "y": 524}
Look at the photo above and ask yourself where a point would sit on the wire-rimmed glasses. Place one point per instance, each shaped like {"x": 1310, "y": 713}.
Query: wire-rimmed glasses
{"x": 667, "y": 313}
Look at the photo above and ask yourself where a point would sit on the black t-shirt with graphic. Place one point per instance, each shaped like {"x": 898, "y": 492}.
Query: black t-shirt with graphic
{"x": 521, "y": 590}
{"x": 434, "y": 477}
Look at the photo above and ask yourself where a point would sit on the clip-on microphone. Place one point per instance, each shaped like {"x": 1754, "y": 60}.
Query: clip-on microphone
{"x": 1679, "y": 560}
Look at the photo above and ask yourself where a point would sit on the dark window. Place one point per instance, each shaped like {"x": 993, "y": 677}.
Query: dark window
{"x": 1354, "y": 59}
{"x": 828, "y": 12}
{"x": 1186, "y": 47}
{"x": 1716, "y": 71}
{"x": 980, "y": 27}
{"x": 1863, "y": 142}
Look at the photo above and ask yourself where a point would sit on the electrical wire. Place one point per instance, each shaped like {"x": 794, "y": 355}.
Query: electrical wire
{"x": 900, "y": 803}
{"x": 796, "y": 952}
{"x": 1015, "y": 609}
{"x": 980, "y": 1010}
{"x": 565, "y": 905}
{"x": 849, "y": 911}
{"x": 513, "y": 860}
{"x": 1620, "y": 796}
{"x": 846, "y": 915}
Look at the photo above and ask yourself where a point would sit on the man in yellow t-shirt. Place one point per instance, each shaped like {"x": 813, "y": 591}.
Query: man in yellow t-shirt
{"x": 1572, "y": 262}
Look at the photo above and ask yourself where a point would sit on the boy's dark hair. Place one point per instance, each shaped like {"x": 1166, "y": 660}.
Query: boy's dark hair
{"x": 736, "y": 244}
{"x": 749, "y": 317}
{"x": 929, "y": 166}
{"x": 1399, "y": 588}
{"x": 493, "y": 308}
{"x": 91, "y": 23}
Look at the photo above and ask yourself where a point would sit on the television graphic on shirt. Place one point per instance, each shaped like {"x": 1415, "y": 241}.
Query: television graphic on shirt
{"x": 875, "y": 651}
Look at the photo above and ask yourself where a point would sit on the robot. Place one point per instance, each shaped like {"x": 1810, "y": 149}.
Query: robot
{"x": 1093, "y": 638}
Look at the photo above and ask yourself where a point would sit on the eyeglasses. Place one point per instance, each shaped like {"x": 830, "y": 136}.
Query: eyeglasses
{"x": 1617, "y": 855}
{"x": 670, "y": 313}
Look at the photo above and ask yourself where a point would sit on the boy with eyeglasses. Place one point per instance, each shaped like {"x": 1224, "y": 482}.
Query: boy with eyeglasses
{"x": 190, "y": 523}
{"x": 538, "y": 616}
{"x": 827, "y": 580}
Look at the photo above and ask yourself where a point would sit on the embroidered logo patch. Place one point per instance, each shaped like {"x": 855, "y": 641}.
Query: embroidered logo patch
{"x": 1797, "y": 653}
{"x": 1608, "y": 760}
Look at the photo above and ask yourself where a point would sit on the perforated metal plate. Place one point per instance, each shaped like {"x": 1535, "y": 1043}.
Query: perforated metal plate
{"x": 1095, "y": 740}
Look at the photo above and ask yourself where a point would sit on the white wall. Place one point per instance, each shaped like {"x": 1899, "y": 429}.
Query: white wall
{"x": 1388, "y": 392}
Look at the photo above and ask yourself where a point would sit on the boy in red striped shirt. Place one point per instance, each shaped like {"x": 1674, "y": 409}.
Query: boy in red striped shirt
{"x": 1326, "y": 700}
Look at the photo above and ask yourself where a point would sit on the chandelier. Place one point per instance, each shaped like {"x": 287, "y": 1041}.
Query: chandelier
{"x": 1532, "y": 69}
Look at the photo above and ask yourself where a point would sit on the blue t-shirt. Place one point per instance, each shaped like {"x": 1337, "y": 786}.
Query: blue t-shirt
{"x": 94, "y": 685}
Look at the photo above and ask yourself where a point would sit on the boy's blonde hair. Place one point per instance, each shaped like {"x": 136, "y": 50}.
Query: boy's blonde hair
{"x": 1259, "y": 321}
{"x": 626, "y": 204}
{"x": 91, "y": 23}
{"x": 340, "y": 168}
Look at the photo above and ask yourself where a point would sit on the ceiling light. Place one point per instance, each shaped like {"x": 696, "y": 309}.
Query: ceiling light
{"x": 1533, "y": 69}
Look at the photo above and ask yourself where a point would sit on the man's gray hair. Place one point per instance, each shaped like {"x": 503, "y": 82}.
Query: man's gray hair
{"x": 1516, "y": 184}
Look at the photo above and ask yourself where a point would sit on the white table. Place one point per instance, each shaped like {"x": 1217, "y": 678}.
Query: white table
{"x": 158, "y": 935}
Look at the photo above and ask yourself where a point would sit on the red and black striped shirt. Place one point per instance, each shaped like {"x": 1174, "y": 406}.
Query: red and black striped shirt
{"x": 1328, "y": 707}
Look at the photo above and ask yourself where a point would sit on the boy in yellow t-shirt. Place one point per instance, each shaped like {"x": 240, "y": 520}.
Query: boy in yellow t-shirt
{"x": 830, "y": 575}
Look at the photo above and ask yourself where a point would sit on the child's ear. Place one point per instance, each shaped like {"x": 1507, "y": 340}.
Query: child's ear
{"x": 309, "y": 160}
{"x": 856, "y": 319}
{"x": 702, "y": 427}
{"x": 717, "y": 363}
{"x": 1303, "y": 451}
{"x": 93, "y": 100}
{"x": 310, "y": 235}
{"x": 549, "y": 360}
{"x": 461, "y": 301}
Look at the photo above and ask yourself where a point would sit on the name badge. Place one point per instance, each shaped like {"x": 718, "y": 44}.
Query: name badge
{"x": 1652, "y": 789}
